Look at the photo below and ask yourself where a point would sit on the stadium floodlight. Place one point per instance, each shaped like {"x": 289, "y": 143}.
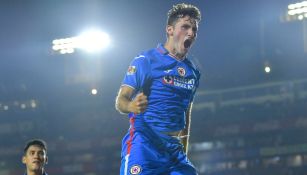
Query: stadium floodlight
{"x": 298, "y": 10}
{"x": 91, "y": 41}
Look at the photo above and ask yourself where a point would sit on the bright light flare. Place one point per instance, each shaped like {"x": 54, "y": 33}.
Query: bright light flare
{"x": 33, "y": 104}
{"x": 94, "y": 91}
{"x": 267, "y": 69}
{"x": 90, "y": 41}
{"x": 23, "y": 106}
{"x": 93, "y": 41}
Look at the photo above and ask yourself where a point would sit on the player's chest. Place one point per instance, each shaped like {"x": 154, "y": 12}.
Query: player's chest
{"x": 178, "y": 76}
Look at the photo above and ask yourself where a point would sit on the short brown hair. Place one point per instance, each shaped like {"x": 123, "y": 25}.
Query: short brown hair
{"x": 181, "y": 10}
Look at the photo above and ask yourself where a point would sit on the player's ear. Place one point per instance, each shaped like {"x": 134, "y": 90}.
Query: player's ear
{"x": 169, "y": 30}
{"x": 23, "y": 159}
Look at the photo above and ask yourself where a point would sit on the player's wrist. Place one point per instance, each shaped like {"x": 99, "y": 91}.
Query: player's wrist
{"x": 129, "y": 107}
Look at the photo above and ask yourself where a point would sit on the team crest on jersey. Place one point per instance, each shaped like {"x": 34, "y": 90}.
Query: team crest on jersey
{"x": 181, "y": 71}
{"x": 131, "y": 70}
{"x": 135, "y": 169}
{"x": 168, "y": 80}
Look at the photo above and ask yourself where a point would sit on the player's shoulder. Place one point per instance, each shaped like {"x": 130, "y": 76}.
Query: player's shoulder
{"x": 146, "y": 55}
{"x": 193, "y": 66}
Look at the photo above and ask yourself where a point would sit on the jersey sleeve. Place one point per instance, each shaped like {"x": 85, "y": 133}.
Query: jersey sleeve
{"x": 138, "y": 73}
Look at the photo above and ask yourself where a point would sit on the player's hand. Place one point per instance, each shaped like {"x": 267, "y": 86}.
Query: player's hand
{"x": 139, "y": 103}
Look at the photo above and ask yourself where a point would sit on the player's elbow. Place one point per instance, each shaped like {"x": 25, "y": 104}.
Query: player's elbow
{"x": 119, "y": 106}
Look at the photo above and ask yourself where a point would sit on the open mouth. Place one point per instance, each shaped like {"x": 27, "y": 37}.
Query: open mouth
{"x": 187, "y": 43}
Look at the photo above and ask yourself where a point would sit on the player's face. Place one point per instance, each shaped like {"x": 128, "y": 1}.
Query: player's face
{"x": 183, "y": 34}
{"x": 35, "y": 158}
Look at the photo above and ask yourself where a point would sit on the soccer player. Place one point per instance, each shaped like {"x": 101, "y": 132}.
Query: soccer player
{"x": 35, "y": 157}
{"x": 157, "y": 94}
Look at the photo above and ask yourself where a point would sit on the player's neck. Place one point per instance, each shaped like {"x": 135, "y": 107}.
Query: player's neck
{"x": 176, "y": 57}
{"x": 172, "y": 51}
{"x": 40, "y": 172}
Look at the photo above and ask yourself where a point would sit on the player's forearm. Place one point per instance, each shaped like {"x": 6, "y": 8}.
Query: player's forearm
{"x": 122, "y": 104}
{"x": 185, "y": 143}
{"x": 185, "y": 134}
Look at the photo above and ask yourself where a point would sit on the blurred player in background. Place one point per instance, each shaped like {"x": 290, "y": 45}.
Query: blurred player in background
{"x": 35, "y": 157}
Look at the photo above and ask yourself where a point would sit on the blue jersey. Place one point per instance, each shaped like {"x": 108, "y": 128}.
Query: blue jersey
{"x": 169, "y": 84}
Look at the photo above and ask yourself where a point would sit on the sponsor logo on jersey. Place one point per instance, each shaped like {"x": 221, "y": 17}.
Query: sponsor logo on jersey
{"x": 181, "y": 71}
{"x": 168, "y": 79}
{"x": 131, "y": 70}
{"x": 135, "y": 169}
{"x": 179, "y": 82}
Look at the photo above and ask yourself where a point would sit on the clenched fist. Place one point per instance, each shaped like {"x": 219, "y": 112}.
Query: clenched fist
{"x": 139, "y": 103}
